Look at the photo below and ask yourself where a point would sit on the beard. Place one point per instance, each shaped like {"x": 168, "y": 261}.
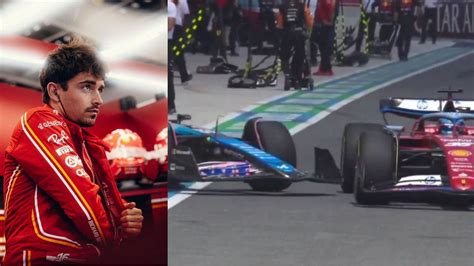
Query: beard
{"x": 87, "y": 121}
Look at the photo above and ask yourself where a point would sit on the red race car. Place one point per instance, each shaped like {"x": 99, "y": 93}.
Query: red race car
{"x": 435, "y": 161}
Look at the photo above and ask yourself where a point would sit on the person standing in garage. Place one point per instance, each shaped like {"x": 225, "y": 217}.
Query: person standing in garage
{"x": 62, "y": 204}
{"x": 367, "y": 23}
{"x": 405, "y": 16}
{"x": 171, "y": 23}
{"x": 430, "y": 14}
{"x": 266, "y": 25}
{"x": 182, "y": 10}
{"x": 294, "y": 18}
{"x": 324, "y": 29}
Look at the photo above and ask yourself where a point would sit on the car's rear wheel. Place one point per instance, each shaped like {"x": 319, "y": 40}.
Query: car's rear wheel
{"x": 274, "y": 138}
{"x": 375, "y": 166}
{"x": 171, "y": 139}
{"x": 350, "y": 137}
{"x": 172, "y": 143}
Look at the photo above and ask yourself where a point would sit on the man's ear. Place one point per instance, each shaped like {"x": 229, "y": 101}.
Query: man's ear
{"x": 53, "y": 91}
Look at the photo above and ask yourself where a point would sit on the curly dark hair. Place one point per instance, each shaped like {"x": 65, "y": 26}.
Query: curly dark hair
{"x": 68, "y": 60}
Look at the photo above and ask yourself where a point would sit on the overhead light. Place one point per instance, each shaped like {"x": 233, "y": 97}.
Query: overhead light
{"x": 138, "y": 81}
{"x": 11, "y": 57}
{"x": 37, "y": 27}
{"x": 122, "y": 46}
{"x": 17, "y": 16}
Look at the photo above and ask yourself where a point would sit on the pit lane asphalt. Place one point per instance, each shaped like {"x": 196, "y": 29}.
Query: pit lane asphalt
{"x": 315, "y": 224}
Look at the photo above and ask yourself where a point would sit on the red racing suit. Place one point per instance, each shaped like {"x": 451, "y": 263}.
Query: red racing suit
{"x": 61, "y": 200}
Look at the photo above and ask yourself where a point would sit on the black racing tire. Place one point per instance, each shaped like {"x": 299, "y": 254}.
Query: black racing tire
{"x": 171, "y": 139}
{"x": 375, "y": 165}
{"x": 272, "y": 137}
{"x": 350, "y": 137}
{"x": 459, "y": 203}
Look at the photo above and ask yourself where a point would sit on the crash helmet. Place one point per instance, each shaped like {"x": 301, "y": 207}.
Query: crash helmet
{"x": 156, "y": 166}
{"x": 445, "y": 126}
{"x": 161, "y": 146}
{"x": 127, "y": 154}
{"x": 460, "y": 126}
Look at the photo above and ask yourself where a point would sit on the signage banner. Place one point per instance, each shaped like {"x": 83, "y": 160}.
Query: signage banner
{"x": 456, "y": 18}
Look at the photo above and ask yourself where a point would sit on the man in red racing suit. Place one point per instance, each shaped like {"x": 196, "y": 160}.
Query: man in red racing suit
{"x": 61, "y": 201}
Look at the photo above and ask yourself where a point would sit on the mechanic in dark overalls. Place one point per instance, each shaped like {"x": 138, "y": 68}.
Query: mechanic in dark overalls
{"x": 294, "y": 19}
{"x": 216, "y": 27}
{"x": 267, "y": 23}
{"x": 430, "y": 13}
{"x": 232, "y": 20}
{"x": 405, "y": 17}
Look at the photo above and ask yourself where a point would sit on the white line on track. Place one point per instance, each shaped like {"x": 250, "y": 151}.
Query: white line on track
{"x": 176, "y": 199}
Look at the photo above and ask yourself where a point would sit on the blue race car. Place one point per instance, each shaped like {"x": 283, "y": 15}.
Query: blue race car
{"x": 265, "y": 156}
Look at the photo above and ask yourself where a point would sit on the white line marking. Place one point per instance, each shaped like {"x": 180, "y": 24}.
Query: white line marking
{"x": 176, "y": 199}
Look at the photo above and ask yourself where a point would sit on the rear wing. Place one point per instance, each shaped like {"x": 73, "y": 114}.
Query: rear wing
{"x": 415, "y": 108}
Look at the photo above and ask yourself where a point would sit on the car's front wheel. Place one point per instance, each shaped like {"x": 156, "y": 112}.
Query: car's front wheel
{"x": 274, "y": 138}
{"x": 375, "y": 166}
{"x": 350, "y": 137}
